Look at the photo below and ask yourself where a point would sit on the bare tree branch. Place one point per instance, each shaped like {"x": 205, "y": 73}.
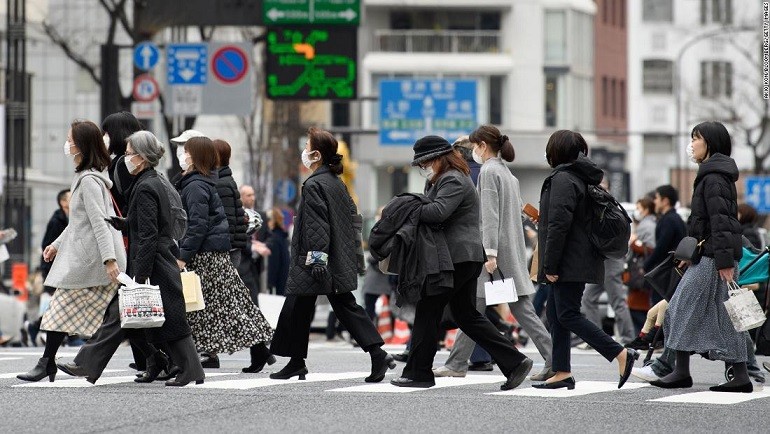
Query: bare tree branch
{"x": 81, "y": 61}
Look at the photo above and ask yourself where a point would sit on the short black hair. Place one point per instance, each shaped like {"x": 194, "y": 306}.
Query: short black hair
{"x": 60, "y": 196}
{"x": 119, "y": 126}
{"x": 716, "y": 137}
{"x": 669, "y": 192}
{"x": 565, "y": 146}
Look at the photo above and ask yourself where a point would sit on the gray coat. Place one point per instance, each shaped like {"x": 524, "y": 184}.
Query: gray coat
{"x": 645, "y": 231}
{"x": 502, "y": 231}
{"x": 89, "y": 241}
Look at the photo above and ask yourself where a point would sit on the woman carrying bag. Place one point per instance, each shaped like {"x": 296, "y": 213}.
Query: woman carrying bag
{"x": 696, "y": 319}
{"x": 89, "y": 253}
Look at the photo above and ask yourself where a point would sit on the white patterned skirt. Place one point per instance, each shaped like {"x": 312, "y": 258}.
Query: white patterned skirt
{"x": 78, "y": 311}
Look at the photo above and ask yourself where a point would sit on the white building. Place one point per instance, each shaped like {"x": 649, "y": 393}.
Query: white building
{"x": 715, "y": 77}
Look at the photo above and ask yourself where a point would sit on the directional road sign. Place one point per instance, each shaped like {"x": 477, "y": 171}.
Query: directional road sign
{"x": 758, "y": 193}
{"x": 410, "y": 109}
{"x": 187, "y": 63}
{"x": 146, "y": 89}
{"x": 279, "y": 12}
{"x": 146, "y": 56}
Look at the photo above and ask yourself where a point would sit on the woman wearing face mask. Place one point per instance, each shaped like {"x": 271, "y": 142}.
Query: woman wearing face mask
{"x": 323, "y": 262}
{"x": 116, "y": 129}
{"x": 502, "y": 234}
{"x": 230, "y": 321}
{"x": 696, "y": 319}
{"x": 89, "y": 253}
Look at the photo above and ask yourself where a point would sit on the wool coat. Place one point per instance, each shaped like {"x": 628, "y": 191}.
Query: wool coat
{"x": 153, "y": 253}
{"x": 55, "y": 227}
{"x": 88, "y": 241}
{"x": 502, "y": 230}
{"x": 228, "y": 193}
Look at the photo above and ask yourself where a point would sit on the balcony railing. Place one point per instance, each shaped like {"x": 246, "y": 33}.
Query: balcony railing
{"x": 437, "y": 41}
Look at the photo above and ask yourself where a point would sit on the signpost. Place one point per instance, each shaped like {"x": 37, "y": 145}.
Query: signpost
{"x": 280, "y": 12}
{"x": 146, "y": 56}
{"x": 311, "y": 63}
{"x": 758, "y": 193}
{"x": 410, "y": 109}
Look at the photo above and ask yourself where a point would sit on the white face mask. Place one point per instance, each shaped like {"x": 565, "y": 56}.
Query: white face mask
{"x": 477, "y": 158}
{"x": 427, "y": 172}
{"x": 691, "y": 153}
{"x": 67, "y": 147}
{"x": 638, "y": 215}
{"x": 129, "y": 165}
{"x": 106, "y": 138}
{"x": 306, "y": 161}
{"x": 182, "y": 156}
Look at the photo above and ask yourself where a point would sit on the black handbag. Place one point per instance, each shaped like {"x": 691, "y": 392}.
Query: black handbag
{"x": 665, "y": 277}
{"x": 690, "y": 250}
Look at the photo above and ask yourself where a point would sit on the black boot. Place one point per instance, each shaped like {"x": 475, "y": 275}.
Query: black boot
{"x": 210, "y": 360}
{"x": 156, "y": 365}
{"x": 260, "y": 356}
{"x": 381, "y": 361}
{"x": 45, "y": 368}
{"x": 295, "y": 368}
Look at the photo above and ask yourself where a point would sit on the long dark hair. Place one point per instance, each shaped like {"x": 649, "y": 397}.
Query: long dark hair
{"x": 203, "y": 154}
{"x": 119, "y": 126}
{"x": 716, "y": 137}
{"x": 451, "y": 160}
{"x": 326, "y": 144}
{"x": 490, "y": 135}
{"x": 88, "y": 138}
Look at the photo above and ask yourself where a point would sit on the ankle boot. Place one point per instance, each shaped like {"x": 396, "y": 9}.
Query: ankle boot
{"x": 295, "y": 368}
{"x": 156, "y": 364}
{"x": 260, "y": 356}
{"x": 381, "y": 362}
{"x": 45, "y": 367}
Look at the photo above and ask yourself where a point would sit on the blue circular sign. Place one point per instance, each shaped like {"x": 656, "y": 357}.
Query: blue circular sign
{"x": 146, "y": 56}
{"x": 230, "y": 64}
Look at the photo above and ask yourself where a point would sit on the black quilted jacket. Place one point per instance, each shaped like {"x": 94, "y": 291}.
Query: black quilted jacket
{"x": 324, "y": 224}
{"x": 231, "y": 201}
{"x": 714, "y": 214}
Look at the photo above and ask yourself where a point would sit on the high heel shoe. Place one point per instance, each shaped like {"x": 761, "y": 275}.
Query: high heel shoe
{"x": 380, "y": 367}
{"x": 286, "y": 373}
{"x": 45, "y": 368}
{"x": 631, "y": 356}
{"x": 568, "y": 382}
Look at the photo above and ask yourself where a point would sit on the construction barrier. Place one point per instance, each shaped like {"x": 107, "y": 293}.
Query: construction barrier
{"x": 384, "y": 325}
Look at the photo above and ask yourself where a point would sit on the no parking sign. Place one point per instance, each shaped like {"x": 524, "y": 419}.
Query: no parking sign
{"x": 230, "y": 64}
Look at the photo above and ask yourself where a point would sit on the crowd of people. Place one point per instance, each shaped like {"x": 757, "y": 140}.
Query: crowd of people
{"x": 432, "y": 253}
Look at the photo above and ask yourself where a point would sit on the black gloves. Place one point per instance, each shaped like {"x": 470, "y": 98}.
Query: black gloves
{"x": 320, "y": 272}
{"x": 119, "y": 223}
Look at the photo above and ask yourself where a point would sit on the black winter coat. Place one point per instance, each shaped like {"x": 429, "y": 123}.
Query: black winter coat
{"x": 152, "y": 253}
{"x": 231, "y": 201}
{"x": 55, "y": 227}
{"x": 207, "y": 229}
{"x": 714, "y": 215}
{"x": 120, "y": 177}
{"x": 324, "y": 223}
{"x": 565, "y": 249}
{"x": 279, "y": 260}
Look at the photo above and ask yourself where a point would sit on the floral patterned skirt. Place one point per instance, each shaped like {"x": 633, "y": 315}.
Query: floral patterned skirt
{"x": 230, "y": 322}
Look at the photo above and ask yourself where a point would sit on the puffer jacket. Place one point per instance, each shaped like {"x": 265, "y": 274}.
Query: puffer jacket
{"x": 207, "y": 229}
{"x": 714, "y": 215}
{"x": 324, "y": 223}
{"x": 565, "y": 249}
{"x": 231, "y": 201}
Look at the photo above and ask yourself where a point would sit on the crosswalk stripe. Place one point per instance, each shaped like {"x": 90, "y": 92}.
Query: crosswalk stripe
{"x": 103, "y": 381}
{"x": 581, "y": 388}
{"x": 2, "y": 359}
{"x": 441, "y": 382}
{"x": 253, "y": 383}
{"x": 14, "y": 374}
{"x": 708, "y": 397}
{"x": 37, "y": 353}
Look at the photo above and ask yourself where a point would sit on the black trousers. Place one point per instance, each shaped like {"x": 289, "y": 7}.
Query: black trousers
{"x": 462, "y": 302}
{"x": 293, "y": 330}
{"x": 563, "y": 310}
{"x": 95, "y": 354}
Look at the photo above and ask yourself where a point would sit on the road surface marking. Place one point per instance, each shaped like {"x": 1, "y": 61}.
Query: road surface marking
{"x": 253, "y": 383}
{"x": 441, "y": 382}
{"x": 708, "y": 397}
{"x": 581, "y": 388}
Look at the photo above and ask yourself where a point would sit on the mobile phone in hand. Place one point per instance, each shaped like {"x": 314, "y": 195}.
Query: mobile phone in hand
{"x": 531, "y": 212}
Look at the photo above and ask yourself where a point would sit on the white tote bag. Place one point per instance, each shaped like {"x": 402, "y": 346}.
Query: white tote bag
{"x": 141, "y": 306}
{"x": 500, "y": 291}
{"x": 743, "y": 308}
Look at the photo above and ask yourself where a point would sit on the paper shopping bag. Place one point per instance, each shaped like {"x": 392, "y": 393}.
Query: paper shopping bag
{"x": 141, "y": 305}
{"x": 193, "y": 291}
{"x": 500, "y": 291}
{"x": 743, "y": 308}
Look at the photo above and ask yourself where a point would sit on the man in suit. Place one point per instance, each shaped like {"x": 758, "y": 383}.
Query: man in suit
{"x": 252, "y": 256}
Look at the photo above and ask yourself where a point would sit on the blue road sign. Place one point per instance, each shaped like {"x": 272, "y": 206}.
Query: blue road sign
{"x": 146, "y": 56}
{"x": 229, "y": 64}
{"x": 758, "y": 193}
{"x": 286, "y": 190}
{"x": 410, "y": 109}
{"x": 187, "y": 64}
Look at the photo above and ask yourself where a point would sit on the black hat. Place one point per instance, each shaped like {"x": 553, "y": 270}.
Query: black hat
{"x": 429, "y": 148}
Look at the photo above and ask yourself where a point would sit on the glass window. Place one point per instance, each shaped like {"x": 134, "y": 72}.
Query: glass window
{"x": 622, "y": 99}
{"x": 555, "y": 37}
{"x": 716, "y": 79}
{"x": 716, "y": 11}
{"x": 658, "y": 10}
{"x": 605, "y": 97}
{"x": 496, "y": 100}
{"x": 657, "y": 76}
{"x": 614, "y": 93}
{"x": 551, "y": 100}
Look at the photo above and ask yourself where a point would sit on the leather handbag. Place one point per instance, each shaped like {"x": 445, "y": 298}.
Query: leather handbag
{"x": 665, "y": 277}
{"x": 690, "y": 250}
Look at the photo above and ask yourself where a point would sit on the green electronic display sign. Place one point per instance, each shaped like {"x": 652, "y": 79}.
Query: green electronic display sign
{"x": 311, "y": 63}
{"x": 318, "y": 12}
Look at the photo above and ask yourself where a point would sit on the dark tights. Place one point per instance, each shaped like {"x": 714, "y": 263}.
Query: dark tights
{"x": 53, "y": 341}
{"x": 682, "y": 370}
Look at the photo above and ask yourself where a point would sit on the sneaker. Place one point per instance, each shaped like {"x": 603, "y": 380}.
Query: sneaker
{"x": 443, "y": 371}
{"x": 758, "y": 385}
{"x": 645, "y": 373}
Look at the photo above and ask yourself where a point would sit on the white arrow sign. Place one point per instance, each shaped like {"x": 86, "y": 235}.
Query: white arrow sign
{"x": 274, "y": 14}
{"x": 187, "y": 74}
{"x": 348, "y": 14}
{"x": 399, "y": 135}
{"x": 146, "y": 55}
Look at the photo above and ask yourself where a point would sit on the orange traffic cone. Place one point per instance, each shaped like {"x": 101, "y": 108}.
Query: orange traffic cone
{"x": 449, "y": 340}
{"x": 384, "y": 326}
{"x": 401, "y": 332}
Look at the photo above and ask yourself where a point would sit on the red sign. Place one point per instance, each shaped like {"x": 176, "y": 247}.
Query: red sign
{"x": 230, "y": 64}
{"x": 146, "y": 89}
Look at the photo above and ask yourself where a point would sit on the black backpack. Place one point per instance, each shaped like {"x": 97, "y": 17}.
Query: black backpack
{"x": 175, "y": 210}
{"x": 609, "y": 224}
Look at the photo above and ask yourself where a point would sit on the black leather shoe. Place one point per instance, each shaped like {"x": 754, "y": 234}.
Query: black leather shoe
{"x": 406, "y": 382}
{"x": 682, "y": 383}
{"x": 171, "y": 372}
{"x": 253, "y": 369}
{"x": 518, "y": 375}
{"x": 45, "y": 368}
{"x": 133, "y": 366}
{"x": 403, "y": 357}
{"x": 742, "y": 388}
{"x": 285, "y": 374}
{"x": 482, "y": 366}
{"x": 569, "y": 383}
{"x": 210, "y": 361}
{"x": 631, "y": 356}
{"x": 260, "y": 356}
{"x": 175, "y": 383}
{"x": 72, "y": 369}
{"x": 379, "y": 368}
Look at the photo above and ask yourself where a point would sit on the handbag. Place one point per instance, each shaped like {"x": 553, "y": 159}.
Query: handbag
{"x": 119, "y": 214}
{"x": 141, "y": 305}
{"x": 743, "y": 308}
{"x": 193, "y": 291}
{"x": 500, "y": 291}
{"x": 665, "y": 277}
{"x": 690, "y": 250}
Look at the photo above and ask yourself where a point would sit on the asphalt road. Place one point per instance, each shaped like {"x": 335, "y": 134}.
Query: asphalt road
{"x": 334, "y": 398}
